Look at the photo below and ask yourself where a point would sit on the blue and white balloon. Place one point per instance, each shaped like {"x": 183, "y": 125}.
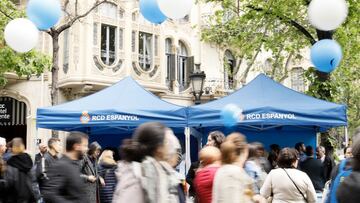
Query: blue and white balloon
{"x": 175, "y": 9}
{"x": 231, "y": 115}
{"x": 151, "y": 11}
{"x": 327, "y": 14}
{"x": 44, "y": 13}
{"x": 326, "y": 55}
{"x": 21, "y": 35}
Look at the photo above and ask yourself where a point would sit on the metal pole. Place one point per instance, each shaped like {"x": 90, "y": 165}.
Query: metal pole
{"x": 187, "y": 149}
{"x": 346, "y": 136}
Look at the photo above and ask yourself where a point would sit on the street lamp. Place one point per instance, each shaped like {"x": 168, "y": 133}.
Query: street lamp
{"x": 197, "y": 81}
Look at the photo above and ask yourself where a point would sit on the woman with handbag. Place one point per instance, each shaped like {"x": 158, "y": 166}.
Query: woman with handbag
{"x": 286, "y": 183}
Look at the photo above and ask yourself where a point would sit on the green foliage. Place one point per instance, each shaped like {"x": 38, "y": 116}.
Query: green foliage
{"x": 281, "y": 27}
{"x": 25, "y": 64}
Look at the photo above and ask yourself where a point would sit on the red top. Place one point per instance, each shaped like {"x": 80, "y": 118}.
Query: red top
{"x": 203, "y": 183}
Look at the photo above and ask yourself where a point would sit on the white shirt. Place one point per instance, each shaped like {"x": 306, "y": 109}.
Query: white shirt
{"x": 322, "y": 159}
{"x": 284, "y": 190}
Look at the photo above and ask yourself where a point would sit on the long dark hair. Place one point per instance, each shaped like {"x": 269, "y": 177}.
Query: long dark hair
{"x": 146, "y": 139}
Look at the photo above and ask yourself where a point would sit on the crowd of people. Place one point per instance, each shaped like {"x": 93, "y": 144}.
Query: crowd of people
{"x": 229, "y": 170}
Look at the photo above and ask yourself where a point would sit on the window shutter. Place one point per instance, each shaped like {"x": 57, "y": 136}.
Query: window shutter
{"x": 189, "y": 69}
{"x": 172, "y": 67}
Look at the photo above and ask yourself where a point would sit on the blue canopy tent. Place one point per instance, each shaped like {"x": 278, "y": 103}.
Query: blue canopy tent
{"x": 272, "y": 113}
{"x": 116, "y": 110}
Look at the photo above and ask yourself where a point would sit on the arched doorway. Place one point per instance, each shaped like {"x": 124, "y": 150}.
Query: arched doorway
{"x": 12, "y": 118}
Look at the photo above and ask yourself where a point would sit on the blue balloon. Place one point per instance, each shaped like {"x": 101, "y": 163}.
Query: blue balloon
{"x": 151, "y": 11}
{"x": 230, "y": 115}
{"x": 326, "y": 55}
{"x": 44, "y": 13}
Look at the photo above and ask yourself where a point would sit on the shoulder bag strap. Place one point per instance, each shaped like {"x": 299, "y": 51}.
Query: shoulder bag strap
{"x": 295, "y": 185}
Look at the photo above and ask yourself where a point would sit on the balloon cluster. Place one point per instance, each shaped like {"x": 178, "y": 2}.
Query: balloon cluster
{"x": 157, "y": 11}
{"x": 327, "y": 15}
{"x": 22, "y": 34}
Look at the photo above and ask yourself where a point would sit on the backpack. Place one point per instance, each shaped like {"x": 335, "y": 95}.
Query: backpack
{"x": 342, "y": 173}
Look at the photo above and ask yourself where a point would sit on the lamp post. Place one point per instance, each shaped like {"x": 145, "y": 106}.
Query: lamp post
{"x": 197, "y": 82}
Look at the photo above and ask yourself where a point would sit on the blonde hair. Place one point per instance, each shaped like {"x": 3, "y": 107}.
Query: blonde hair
{"x": 18, "y": 146}
{"x": 209, "y": 155}
{"x": 107, "y": 157}
{"x": 234, "y": 145}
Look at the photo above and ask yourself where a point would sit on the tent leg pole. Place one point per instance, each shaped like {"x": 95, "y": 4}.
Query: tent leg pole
{"x": 199, "y": 143}
{"x": 187, "y": 149}
{"x": 346, "y": 136}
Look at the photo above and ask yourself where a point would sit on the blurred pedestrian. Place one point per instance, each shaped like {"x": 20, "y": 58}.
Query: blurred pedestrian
{"x": 89, "y": 172}
{"x": 253, "y": 168}
{"x": 315, "y": 170}
{"x": 287, "y": 183}
{"x": 349, "y": 189}
{"x": 2, "y": 146}
{"x": 42, "y": 151}
{"x": 215, "y": 139}
{"x": 47, "y": 160}
{"x": 173, "y": 159}
{"x": 327, "y": 161}
{"x": 22, "y": 164}
{"x": 273, "y": 155}
{"x": 142, "y": 176}
{"x": 210, "y": 162}
{"x": 107, "y": 167}
{"x": 231, "y": 183}
{"x": 8, "y": 152}
{"x": 300, "y": 148}
{"x": 264, "y": 162}
{"x": 65, "y": 184}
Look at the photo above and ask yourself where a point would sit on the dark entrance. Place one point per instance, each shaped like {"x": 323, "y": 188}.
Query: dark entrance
{"x": 12, "y": 119}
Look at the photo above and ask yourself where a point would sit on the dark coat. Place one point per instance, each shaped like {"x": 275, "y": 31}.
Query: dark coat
{"x": 107, "y": 172}
{"x": 314, "y": 169}
{"x": 191, "y": 176}
{"x": 41, "y": 173}
{"x": 349, "y": 190}
{"x": 38, "y": 157}
{"x": 8, "y": 193}
{"x": 22, "y": 165}
{"x": 65, "y": 184}
{"x": 328, "y": 164}
{"x": 89, "y": 168}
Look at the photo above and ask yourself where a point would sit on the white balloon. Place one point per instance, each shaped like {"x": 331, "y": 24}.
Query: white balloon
{"x": 21, "y": 35}
{"x": 175, "y": 9}
{"x": 327, "y": 14}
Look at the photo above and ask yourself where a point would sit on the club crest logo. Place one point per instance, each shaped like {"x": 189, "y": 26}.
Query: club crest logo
{"x": 85, "y": 117}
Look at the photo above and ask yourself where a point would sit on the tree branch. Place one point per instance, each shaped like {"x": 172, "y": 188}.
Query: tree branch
{"x": 5, "y": 14}
{"x": 78, "y": 17}
{"x": 295, "y": 24}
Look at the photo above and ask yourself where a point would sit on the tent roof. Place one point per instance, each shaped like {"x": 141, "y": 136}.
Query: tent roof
{"x": 116, "y": 109}
{"x": 267, "y": 103}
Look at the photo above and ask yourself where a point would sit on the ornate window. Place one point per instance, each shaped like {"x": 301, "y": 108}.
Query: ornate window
{"x": 145, "y": 50}
{"x": 229, "y": 67}
{"x": 297, "y": 79}
{"x": 108, "y": 44}
{"x": 170, "y": 62}
{"x": 182, "y": 68}
{"x": 108, "y": 38}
